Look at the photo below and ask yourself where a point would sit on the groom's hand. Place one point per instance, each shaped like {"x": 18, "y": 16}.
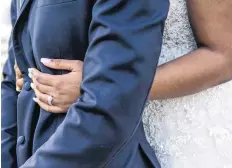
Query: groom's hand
{"x": 64, "y": 89}
{"x": 19, "y": 78}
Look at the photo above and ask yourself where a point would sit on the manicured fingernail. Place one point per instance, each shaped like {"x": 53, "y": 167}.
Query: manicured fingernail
{"x": 18, "y": 89}
{"x": 45, "y": 60}
{"x": 32, "y": 86}
{"x": 30, "y": 75}
{"x": 29, "y": 70}
{"x": 35, "y": 99}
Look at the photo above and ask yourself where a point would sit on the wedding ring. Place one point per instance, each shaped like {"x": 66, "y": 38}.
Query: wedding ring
{"x": 50, "y": 100}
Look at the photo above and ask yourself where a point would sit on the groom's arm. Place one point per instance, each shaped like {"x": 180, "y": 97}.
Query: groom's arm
{"x": 125, "y": 42}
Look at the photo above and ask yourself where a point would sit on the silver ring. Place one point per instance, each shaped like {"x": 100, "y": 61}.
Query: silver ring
{"x": 50, "y": 100}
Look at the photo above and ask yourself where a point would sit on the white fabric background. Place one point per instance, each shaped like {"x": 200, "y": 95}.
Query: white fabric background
{"x": 194, "y": 131}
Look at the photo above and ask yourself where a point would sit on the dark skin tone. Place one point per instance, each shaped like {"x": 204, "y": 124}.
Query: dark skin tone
{"x": 208, "y": 66}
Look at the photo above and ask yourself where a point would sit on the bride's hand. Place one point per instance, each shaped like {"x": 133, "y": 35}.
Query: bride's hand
{"x": 64, "y": 89}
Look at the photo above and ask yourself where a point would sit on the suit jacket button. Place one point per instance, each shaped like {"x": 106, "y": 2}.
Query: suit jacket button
{"x": 20, "y": 140}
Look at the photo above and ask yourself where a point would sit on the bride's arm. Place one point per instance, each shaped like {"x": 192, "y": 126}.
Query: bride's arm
{"x": 210, "y": 64}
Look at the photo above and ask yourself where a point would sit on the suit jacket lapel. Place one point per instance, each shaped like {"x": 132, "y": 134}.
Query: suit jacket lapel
{"x": 21, "y": 5}
{"x": 24, "y": 4}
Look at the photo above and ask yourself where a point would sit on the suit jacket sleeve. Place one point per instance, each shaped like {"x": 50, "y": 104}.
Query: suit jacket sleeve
{"x": 125, "y": 38}
{"x": 8, "y": 109}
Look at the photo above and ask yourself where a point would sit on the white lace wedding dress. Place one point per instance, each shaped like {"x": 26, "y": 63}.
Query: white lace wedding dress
{"x": 194, "y": 131}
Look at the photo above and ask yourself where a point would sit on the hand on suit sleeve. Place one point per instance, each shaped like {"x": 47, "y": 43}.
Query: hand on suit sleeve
{"x": 124, "y": 46}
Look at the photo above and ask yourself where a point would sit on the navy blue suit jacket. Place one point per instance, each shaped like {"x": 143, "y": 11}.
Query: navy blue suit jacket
{"x": 119, "y": 42}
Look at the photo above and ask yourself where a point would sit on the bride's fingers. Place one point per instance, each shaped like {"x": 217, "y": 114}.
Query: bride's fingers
{"x": 42, "y": 88}
{"x": 19, "y": 84}
{"x": 48, "y": 108}
{"x": 42, "y": 78}
{"x": 44, "y": 97}
{"x": 70, "y": 65}
{"x": 17, "y": 72}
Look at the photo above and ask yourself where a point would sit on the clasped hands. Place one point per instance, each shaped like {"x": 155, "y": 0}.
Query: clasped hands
{"x": 64, "y": 89}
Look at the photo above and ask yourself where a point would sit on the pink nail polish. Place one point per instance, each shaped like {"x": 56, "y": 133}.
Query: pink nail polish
{"x": 45, "y": 60}
{"x": 30, "y": 76}
{"x": 35, "y": 99}
{"x": 32, "y": 86}
{"x": 29, "y": 70}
